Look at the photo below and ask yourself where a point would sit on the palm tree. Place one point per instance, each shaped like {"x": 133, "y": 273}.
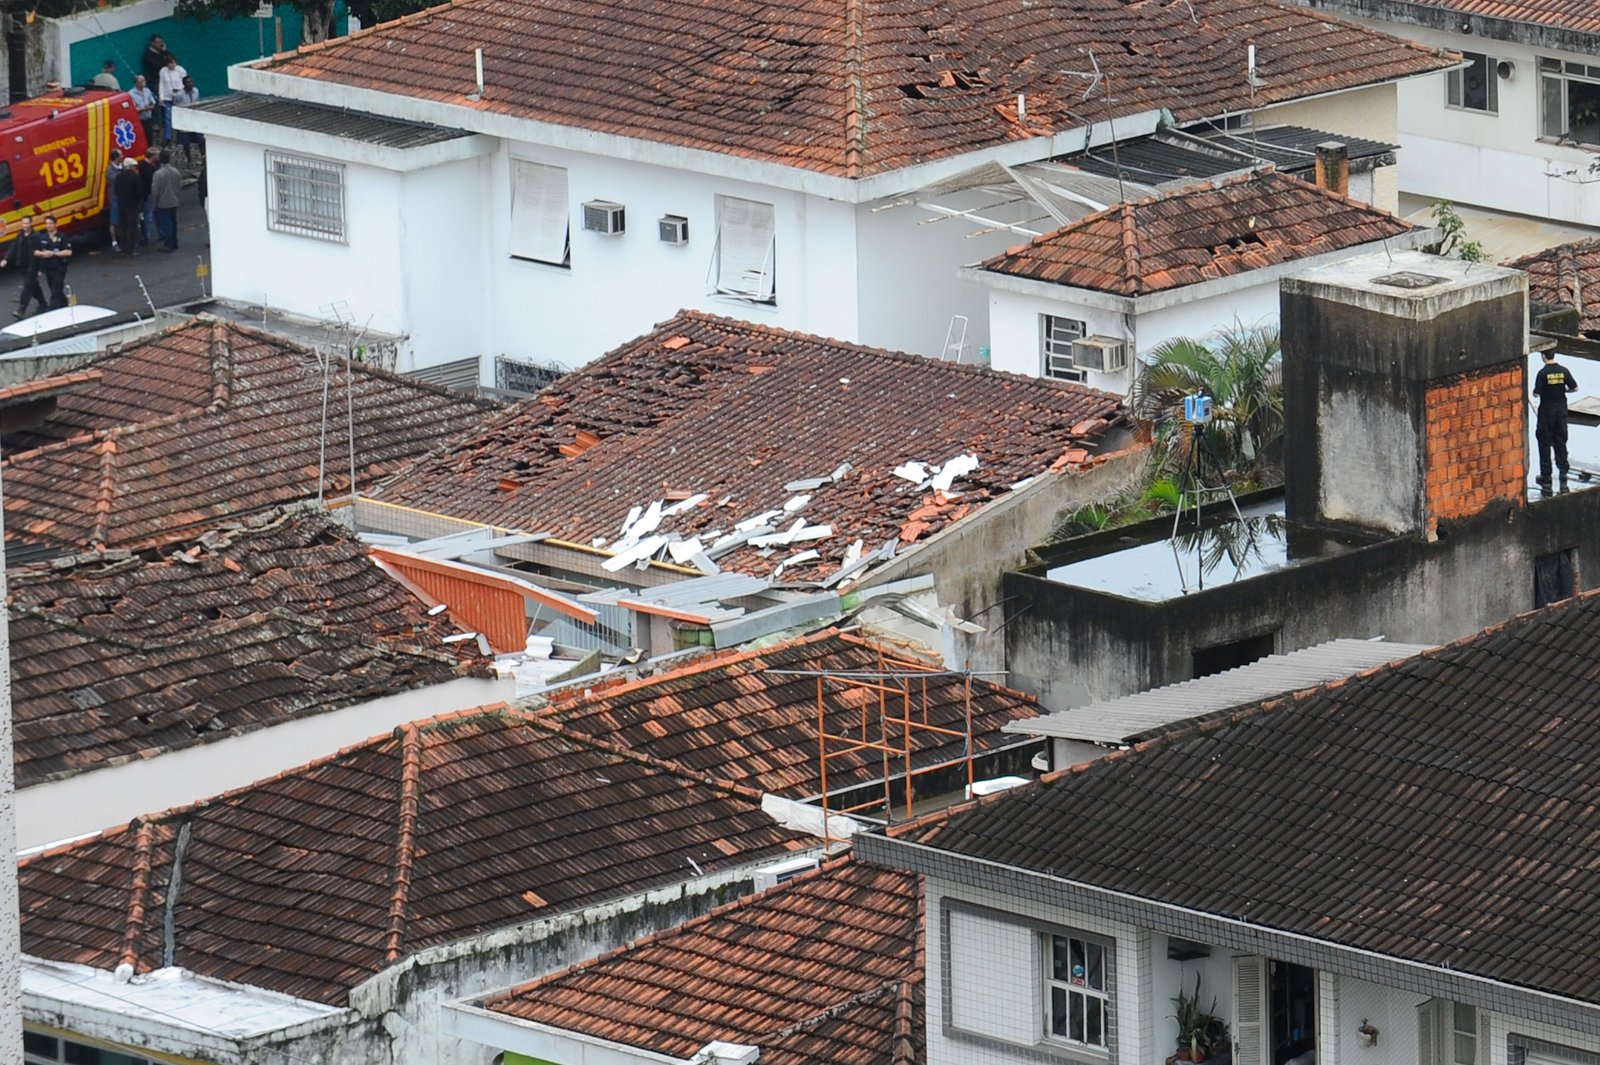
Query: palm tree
{"x": 1240, "y": 369}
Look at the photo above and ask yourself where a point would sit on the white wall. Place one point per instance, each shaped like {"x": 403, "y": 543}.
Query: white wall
{"x": 302, "y": 274}
{"x": 1014, "y": 326}
{"x": 444, "y": 287}
{"x": 1015, "y": 338}
{"x": 909, "y": 288}
{"x": 115, "y": 795}
{"x": 1000, "y": 962}
{"x": 1495, "y": 161}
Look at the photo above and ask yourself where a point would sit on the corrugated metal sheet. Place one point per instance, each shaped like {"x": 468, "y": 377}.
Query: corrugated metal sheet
{"x": 702, "y": 596}
{"x": 1124, "y": 720}
{"x": 331, "y": 121}
{"x": 498, "y": 613}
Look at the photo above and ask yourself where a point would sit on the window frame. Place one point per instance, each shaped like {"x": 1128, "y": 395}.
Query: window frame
{"x": 545, "y": 198}
{"x": 1441, "y": 1032}
{"x": 1049, "y": 350}
{"x": 1561, "y": 75}
{"x": 1041, "y": 1044}
{"x": 64, "y": 1056}
{"x": 1455, "y": 85}
{"x": 1086, "y": 991}
{"x": 762, "y": 286}
{"x": 294, "y": 210}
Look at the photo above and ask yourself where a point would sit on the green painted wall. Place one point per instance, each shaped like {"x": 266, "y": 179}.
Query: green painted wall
{"x": 205, "y": 49}
{"x": 523, "y": 1059}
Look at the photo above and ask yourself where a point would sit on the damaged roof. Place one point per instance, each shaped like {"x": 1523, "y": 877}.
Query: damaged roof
{"x": 858, "y": 88}
{"x": 311, "y": 882}
{"x": 1562, "y": 275}
{"x": 743, "y": 717}
{"x": 763, "y": 444}
{"x": 1439, "y": 810}
{"x": 1199, "y": 233}
{"x": 118, "y": 656}
{"x": 825, "y": 969}
{"x": 207, "y": 421}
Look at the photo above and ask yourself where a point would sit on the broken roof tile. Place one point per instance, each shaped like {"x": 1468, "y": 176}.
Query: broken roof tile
{"x": 1199, "y": 233}
{"x": 206, "y": 421}
{"x": 690, "y": 418}
{"x": 720, "y": 78}
{"x": 814, "y": 970}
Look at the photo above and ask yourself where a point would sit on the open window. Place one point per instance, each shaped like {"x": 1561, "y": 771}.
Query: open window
{"x": 1274, "y": 1012}
{"x": 742, "y": 264}
{"x": 1447, "y": 1033}
{"x": 540, "y": 214}
{"x": 1474, "y": 87}
{"x": 1569, "y": 101}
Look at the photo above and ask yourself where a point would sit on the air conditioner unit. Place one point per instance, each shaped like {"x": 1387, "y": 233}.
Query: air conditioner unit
{"x": 674, "y": 229}
{"x": 603, "y": 216}
{"x": 1101, "y": 354}
{"x": 773, "y": 875}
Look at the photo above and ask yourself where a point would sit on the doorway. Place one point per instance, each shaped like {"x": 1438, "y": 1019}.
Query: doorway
{"x": 1292, "y": 1006}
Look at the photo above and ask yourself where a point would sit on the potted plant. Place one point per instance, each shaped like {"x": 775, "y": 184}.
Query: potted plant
{"x": 1202, "y": 1035}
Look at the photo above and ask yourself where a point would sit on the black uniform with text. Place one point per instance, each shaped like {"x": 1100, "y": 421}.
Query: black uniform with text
{"x": 1550, "y": 387}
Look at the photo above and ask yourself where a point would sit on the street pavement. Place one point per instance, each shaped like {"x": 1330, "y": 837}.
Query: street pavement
{"x": 101, "y": 278}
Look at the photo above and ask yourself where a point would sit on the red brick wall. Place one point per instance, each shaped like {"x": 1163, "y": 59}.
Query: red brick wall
{"x": 1476, "y": 443}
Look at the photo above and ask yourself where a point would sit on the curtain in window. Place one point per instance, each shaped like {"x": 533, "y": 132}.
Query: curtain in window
{"x": 539, "y": 212}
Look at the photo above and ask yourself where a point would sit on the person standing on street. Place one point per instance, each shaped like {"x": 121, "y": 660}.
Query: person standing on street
{"x": 145, "y": 101}
{"x": 167, "y": 89}
{"x": 114, "y": 208}
{"x": 128, "y": 195}
{"x": 154, "y": 58}
{"x": 1550, "y": 387}
{"x": 187, "y": 96}
{"x": 53, "y": 248}
{"x": 21, "y": 252}
{"x": 147, "y": 175}
{"x": 164, "y": 189}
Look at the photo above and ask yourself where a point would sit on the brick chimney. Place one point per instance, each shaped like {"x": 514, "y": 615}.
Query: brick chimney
{"x": 1333, "y": 167}
{"x": 1405, "y": 392}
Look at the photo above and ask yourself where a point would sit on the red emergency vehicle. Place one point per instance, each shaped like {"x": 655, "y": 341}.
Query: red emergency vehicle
{"x": 54, "y": 153}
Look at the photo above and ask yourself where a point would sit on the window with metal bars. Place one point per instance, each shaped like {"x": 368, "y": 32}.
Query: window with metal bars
{"x": 305, "y": 197}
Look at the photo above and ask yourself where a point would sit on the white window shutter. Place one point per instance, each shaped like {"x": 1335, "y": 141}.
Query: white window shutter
{"x": 539, "y": 211}
{"x": 1249, "y": 1010}
{"x": 1427, "y": 1033}
{"x": 745, "y": 247}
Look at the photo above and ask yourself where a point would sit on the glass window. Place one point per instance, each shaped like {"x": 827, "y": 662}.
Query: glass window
{"x": 305, "y": 197}
{"x": 1077, "y": 1003}
{"x": 1474, "y": 87}
{"x": 541, "y": 224}
{"x": 1055, "y": 345}
{"x": 1569, "y": 101}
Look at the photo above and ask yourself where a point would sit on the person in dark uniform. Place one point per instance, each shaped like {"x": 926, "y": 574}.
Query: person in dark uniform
{"x": 1550, "y": 387}
{"x": 56, "y": 254}
{"x": 21, "y": 252}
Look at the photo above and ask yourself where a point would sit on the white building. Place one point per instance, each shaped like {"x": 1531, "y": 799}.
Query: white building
{"x": 1515, "y": 129}
{"x": 1085, "y": 302}
{"x": 600, "y": 181}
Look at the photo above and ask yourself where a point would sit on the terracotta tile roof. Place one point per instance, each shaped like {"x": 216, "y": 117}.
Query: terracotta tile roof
{"x": 1439, "y": 810}
{"x": 729, "y": 718}
{"x": 1199, "y": 233}
{"x": 203, "y": 422}
{"x": 856, "y": 88}
{"x": 312, "y": 881}
{"x": 26, "y": 391}
{"x": 1568, "y": 275}
{"x": 737, "y": 411}
{"x": 823, "y": 970}
{"x": 1580, "y": 16}
{"x": 116, "y": 657}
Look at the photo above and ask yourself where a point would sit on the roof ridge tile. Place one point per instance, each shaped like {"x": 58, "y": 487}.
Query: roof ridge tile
{"x": 405, "y": 841}
{"x": 138, "y": 893}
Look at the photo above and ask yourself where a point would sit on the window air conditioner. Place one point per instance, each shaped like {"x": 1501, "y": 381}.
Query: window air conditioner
{"x": 603, "y": 216}
{"x": 773, "y": 875}
{"x": 674, "y": 229}
{"x": 1099, "y": 353}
